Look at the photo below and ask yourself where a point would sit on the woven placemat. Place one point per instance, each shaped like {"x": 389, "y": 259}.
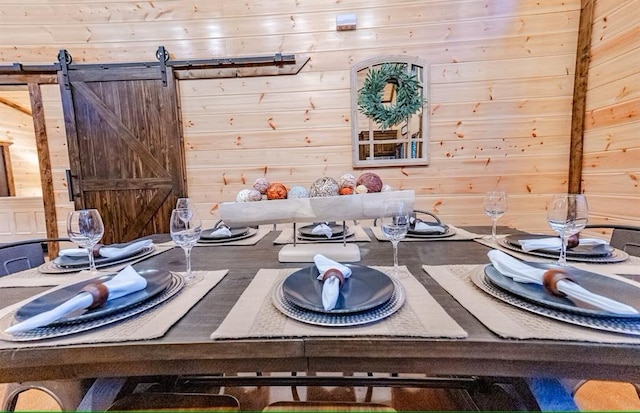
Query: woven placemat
{"x": 460, "y": 235}
{"x": 509, "y": 321}
{"x": 254, "y": 314}
{"x": 47, "y": 275}
{"x": 252, "y": 240}
{"x": 150, "y": 324}
{"x": 359, "y": 235}
{"x": 630, "y": 266}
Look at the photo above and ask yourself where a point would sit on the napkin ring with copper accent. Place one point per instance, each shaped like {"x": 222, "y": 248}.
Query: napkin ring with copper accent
{"x": 333, "y": 272}
{"x": 550, "y": 280}
{"x": 99, "y": 292}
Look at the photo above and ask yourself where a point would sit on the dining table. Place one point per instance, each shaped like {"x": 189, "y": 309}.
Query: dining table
{"x": 190, "y": 345}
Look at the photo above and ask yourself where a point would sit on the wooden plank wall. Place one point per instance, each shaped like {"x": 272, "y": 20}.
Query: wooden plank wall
{"x": 501, "y": 92}
{"x": 611, "y": 169}
{"x": 16, "y": 126}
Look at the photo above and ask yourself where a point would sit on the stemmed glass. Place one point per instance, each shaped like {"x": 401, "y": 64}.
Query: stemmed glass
{"x": 567, "y": 214}
{"x": 495, "y": 205}
{"x": 183, "y": 204}
{"x": 395, "y": 224}
{"x": 185, "y": 229}
{"x": 85, "y": 228}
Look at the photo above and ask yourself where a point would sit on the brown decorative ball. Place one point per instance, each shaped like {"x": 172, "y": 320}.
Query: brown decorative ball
{"x": 372, "y": 181}
{"x": 322, "y": 187}
{"x": 276, "y": 190}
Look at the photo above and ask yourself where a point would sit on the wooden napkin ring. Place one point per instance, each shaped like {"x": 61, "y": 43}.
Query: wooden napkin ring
{"x": 550, "y": 280}
{"x": 96, "y": 249}
{"x": 99, "y": 292}
{"x": 333, "y": 272}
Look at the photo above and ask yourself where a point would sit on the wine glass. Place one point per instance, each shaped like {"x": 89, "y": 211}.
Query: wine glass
{"x": 185, "y": 229}
{"x": 183, "y": 204}
{"x": 395, "y": 224}
{"x": 567, "y": 214}
{"x": 85, "y": 228}
{"x": 495, "y": 205}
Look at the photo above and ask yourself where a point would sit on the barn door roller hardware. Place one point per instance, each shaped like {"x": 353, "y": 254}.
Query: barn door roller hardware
{"x": 273, "y": 65}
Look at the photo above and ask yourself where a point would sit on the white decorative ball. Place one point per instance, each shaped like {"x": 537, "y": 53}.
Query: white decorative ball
{"x": 248, "y": 195}
{"x": 347, "y": 181}
{"x": 361, "y": 189}
{"x": 298, "y": 192}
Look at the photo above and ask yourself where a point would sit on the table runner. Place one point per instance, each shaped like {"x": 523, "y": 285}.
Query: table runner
{"x": 460, "y": 235}
{"x": 631, "y": 266}
{"x": 150, "y": 324}
{"x": 33, "y": 277}
{"x": 286, "y": 237}
{"x": 255, "y": 316}
{"x": 506, "y": 320}
{"x": 262, "y": 231}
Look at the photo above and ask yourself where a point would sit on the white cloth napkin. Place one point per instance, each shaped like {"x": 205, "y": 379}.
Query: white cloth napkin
{"x": 555, "y": 243}
{"x": 428, "y": 229}
{"x": 521, "y": 272}
{"x": 331, "y": 286}
{"x": 108, "y": 252}
{"x": 221, "y": 232}
{"x": 322, "y": 229}
{"x": 127, "y": 281}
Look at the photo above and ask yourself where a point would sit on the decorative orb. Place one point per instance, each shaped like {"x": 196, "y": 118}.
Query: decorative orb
{"x": 298, "y": 192}
{"x": 261, "y": 185}
{"x": 322, "y": 187}
{"x": 248, "y": 195}
{"x": 386, "y": 188}
{"x": 372, "y": 181}
{"x": 346, "y": 190}
{"x": 347, "y": 181}
{"x": 276, "y": 190}
{"x": 361, "y": 189}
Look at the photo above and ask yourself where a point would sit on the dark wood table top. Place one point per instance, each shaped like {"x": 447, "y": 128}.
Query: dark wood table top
{"x": 187, "y": 348}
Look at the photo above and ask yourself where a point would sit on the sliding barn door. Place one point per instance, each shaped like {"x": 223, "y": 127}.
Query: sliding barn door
{"x": 125, "y": 147}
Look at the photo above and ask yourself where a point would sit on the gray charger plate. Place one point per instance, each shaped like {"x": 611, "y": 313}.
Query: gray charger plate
{"x": 365, "y": 289}
{"x": 250, "y": 233}
{"x": 334, "y": 238}
{"x": 307, "y": 231}
{"x": 383, "y": 311}
{"x": 615, "y": 256}
{"x": 157, "y": 281}
{"x": 610, "y": 324}
{"x": 578, "y": 251}
{"x": 235, "y": 233}
{"x": 78, "y": 262}
{"x": 421, "y": 234}
{"x": 598, "y": 284}
{"x": 50, "y": 267}
{"x": 65, "y": 329}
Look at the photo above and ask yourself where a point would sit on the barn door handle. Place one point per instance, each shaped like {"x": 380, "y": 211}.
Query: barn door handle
{"x": 70, "y": 185}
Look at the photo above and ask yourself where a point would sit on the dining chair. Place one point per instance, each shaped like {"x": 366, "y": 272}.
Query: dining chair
{"x": 623, "y": 237}
{"x": 609, "y": 395}
{"x": 16, "y": 257}
{"x": 319, "y": 406}
{"x": 151, "y": 401}
{"x": 22, "y": 255}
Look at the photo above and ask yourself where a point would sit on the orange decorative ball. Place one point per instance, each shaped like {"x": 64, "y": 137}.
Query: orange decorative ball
{"x": 345, "y": 190}
{"x": 276, "y": 190}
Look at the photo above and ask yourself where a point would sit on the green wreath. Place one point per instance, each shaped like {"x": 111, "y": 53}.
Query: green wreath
{"x": 408, "y": 99}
